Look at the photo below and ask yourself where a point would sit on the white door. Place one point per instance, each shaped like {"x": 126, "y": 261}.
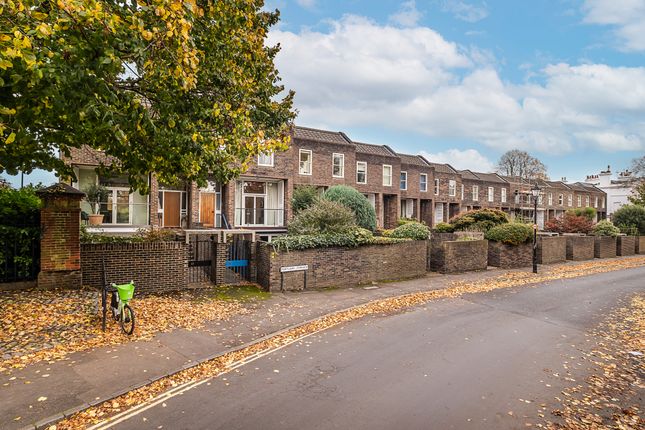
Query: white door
{"x": 438, "y": 213}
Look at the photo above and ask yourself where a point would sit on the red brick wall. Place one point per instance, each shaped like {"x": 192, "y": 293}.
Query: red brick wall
{"x": 329, "y": 267}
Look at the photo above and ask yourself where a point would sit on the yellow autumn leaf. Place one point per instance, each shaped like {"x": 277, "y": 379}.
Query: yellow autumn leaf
{"x": 10, "y": 139}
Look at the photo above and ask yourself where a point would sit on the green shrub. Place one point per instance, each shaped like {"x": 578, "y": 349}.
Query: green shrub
{"x": 402, "y": 221}
{"x": 589, "y": 213}
{"x": 411, "y": 230}
{"x": 479, "y": 220}
{"x": 303, "y": 197}
{"x": 443, "y": 227}
{"x": 466, "y": 238}
{"x": 322, "y": 217}
{"x": 630, "y": 218}
{"x": 387, "y": 232}
{"x": 350, "y": 239}
{"x": 358, "y": 203}
{"x": 605, "y": 228}
{"x": 511, "y": 234}
{"x": 19, "y": 208}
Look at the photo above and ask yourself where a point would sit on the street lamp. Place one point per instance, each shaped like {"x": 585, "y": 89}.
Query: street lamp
{"x": 536, "y": 193}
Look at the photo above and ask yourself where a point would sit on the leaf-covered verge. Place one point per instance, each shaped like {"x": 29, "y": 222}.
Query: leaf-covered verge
{"x": 182, "y": 89}
{"x": 351, "y": 239}
{"x": 223, "y": 363}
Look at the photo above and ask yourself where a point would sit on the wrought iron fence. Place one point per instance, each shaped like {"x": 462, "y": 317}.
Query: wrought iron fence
{"x": 19, "y": 253}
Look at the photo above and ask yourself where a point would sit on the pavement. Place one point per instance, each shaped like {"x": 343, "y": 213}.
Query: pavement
{"x": 482, "y": 361}
{"x": 87, "y": 378}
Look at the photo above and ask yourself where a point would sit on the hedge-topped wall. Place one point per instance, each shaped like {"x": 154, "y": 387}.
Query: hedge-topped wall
{"x": 625, "y": 245}
{"x": 341, "y": 267}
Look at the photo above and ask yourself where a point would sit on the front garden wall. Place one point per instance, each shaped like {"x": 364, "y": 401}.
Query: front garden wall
{"x": 509, "y": 256}
{"x": 437, "y": 251}
{"x": 604, "y": 247}
{"x": 464, "y": 256}
{"x": 640, "y": 245}
{"x": 580, "y": 248}
{"x": 346, "y": 267}
{"x": 551, "y": 249}
{"x": 153, "y": 266}
{"x": 626, "y": 245}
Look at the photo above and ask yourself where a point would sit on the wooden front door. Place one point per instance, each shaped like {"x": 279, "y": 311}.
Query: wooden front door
{"x": 171, "y": 209}
{"x": 207, "y": 209}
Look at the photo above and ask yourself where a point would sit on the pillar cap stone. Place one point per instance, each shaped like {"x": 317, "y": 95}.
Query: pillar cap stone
{"x": 60, "y": 189}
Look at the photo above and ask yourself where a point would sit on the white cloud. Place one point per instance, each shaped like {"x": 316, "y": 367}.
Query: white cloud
{"x": 461, "y": 159}
{"x": 626, "y": 16}
{"x": 360, "y": 73}
{"x": 465, "y": 11}
{"x": 307, "y": 4}
{"x": 408, "y": 15}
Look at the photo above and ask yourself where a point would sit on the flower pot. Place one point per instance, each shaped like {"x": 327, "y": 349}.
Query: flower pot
{"x": 96, "y": 219}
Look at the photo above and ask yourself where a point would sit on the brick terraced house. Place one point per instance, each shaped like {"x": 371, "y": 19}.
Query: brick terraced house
{"x": 397, "y": 185}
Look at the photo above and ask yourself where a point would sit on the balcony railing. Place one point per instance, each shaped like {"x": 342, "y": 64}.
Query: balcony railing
{"x": 259, "y": 217}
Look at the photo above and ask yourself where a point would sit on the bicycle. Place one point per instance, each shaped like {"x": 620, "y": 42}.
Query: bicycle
{"x": 121, "y": 310}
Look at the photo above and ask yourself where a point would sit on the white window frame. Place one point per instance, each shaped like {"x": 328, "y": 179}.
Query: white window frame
{"x": 561, "y": 199}
{"x": 579, "y": 201}
{"x": 491, "y": 194}
{"x": 342, "y": 164}
{"x": 602, "y": 202}
{"x": 436, "y": 187}
{"x": 570, "y": 200}
{"x": 503, "y": 195}
{"x": 387, "y": 183}
{"x": 265, "y": 154}
{"x": 475, "y": 193}
{"x": 462, "y": 191}
{"x": 595, "y": 202}
{"x": 452, "y": 188}
{"x": 311, "y": 162}
{"x": 402, "y": 181}
{"x": 550, "y": 199}
{"x": 358, "y": 164}
{"x": 587, "y": 201}
{"x": 423, "y": 185}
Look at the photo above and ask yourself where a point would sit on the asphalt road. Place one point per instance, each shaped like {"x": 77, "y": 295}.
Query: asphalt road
{"x": 486, "y": 361}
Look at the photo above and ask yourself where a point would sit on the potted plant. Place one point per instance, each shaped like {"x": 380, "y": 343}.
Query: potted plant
{"x": 94, "y": 195}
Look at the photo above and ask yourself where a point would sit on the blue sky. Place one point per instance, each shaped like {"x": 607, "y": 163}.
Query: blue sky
{"x": 463, "y": 81}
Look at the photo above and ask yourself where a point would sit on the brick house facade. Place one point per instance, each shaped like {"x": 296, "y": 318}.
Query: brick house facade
{"x": 397, "y": 185}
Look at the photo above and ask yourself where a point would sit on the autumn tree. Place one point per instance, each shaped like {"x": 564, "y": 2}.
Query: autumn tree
{"x": 638, "y": 167}
{"x": 182, "y": 88}
{"x": 521, "y": 164}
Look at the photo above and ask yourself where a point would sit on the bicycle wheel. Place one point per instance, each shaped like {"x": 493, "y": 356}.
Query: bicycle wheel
{"x": 127, "y": 320}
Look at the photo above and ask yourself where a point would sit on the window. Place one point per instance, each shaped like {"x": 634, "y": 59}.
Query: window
{"x": 423, "y": 182}
{"x": 550, "y": 199}
{"x": 595, "y": 202}
{"x": 338, "y": 165}
{"x": 587, "y": 201}
{"x": 579, "y": 201}
{"x": 452, "y": 188}
{"x": 491, "y": 194}
{"x": 265, "y": 159}
{"x": 528, "y": 199}
{"x": 404, "y": 180}
{"x": 305, "y": 162}
{"x": 462, "y": 191}
{"x": 361, "y": 172}
{"x": 570, "y": 199}
{"x": 436, "y": 187}
{"x": 503, "y": 195}
{"x": 540, "y": 199}
{"x": 561, "y": 200}
{"x": 387, "y": 175}
{"x": 476, "y": 193}
{"x": 602, "y": 202}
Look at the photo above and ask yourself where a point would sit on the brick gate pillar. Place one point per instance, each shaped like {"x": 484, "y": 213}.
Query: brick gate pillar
{"x": 60, "y": 247}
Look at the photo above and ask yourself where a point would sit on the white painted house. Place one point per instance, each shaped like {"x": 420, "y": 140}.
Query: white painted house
{"x": 618, "y": 188}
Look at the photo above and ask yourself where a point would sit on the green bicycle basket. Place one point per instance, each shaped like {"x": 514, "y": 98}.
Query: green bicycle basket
{"x": 126, "y": 291}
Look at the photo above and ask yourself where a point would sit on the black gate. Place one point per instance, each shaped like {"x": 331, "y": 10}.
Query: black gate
{"x": 238, "y": 261}
{"x": 19, "y": 253}
{"x": 200, "y": 258}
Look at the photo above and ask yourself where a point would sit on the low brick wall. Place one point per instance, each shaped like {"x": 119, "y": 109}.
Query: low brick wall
{"x": 604, "y": 247}
{"x": 153, "y": 266}
{"x": 333, "y": 267}
{"x": 551, "y": 249}
{"x": 436, "y": 249}
{"x": 580, "y": 248}
{"x": 464, "y": 256}
{"x": 640, "y": 245}
{"x": 625, "y": 245}
{"x": 509, "y": 256}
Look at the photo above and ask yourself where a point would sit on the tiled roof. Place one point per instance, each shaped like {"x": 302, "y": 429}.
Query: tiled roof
{"x": 490, "y": 177}
{"x": 306, "y": 133}
{"x": 559, "y": 184}
{"x": 368, "y": 148}
{"x": 441, "y": 168}
{"x": 467, "y": 174}
{"x": 578, "y": 186}
{"x": 412, "y": 159}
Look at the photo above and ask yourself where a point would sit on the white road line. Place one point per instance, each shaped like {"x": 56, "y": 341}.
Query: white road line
{"x": 180, "y": 389}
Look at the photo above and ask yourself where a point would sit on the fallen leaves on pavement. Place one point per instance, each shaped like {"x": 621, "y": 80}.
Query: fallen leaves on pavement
{"x": 48, "y": 325}
{"x": 224, "y": 362}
